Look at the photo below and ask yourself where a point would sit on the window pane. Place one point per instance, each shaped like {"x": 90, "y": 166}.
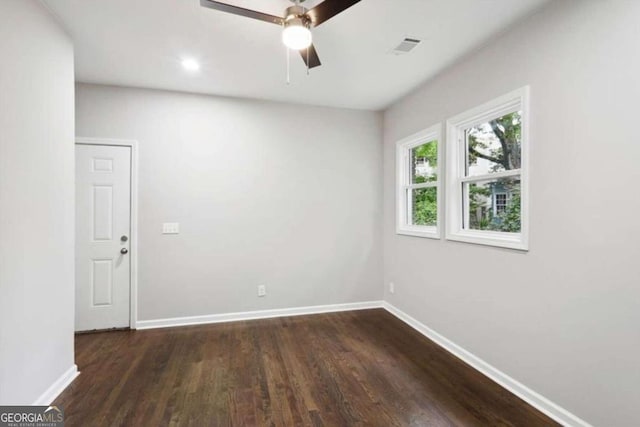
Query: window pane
{"x": 423, "y": 206}
{"x": 493, "y": 205}
{"x": 495, "y": 146}
{"x": 424, "y": 163}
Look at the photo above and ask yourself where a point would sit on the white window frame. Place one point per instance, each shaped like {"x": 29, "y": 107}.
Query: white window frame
{"x": 403, "y": 183}
{"x": 517, "y": 100}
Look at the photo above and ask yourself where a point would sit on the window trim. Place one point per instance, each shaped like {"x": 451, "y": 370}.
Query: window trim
{"x": 403, "y": 183}
{"x": 517, "y": 100}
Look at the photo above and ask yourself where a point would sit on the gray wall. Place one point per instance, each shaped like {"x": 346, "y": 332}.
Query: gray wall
{"x": 36, "y": 202}
{"x": 265, "y": 193}
{"x": 564, "y": 318}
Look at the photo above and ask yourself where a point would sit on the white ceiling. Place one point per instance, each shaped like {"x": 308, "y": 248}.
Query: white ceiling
{"x": 141, "y": 43}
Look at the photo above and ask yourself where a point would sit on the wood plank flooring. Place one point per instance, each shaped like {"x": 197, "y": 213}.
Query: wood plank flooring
{"x": 361, "y": 368}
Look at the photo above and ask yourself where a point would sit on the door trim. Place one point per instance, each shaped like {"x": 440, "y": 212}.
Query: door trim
{"x": 133, "y": 248}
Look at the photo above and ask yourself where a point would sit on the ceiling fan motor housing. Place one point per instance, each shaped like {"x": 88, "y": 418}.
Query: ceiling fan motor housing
{"x": 296, "y": 15}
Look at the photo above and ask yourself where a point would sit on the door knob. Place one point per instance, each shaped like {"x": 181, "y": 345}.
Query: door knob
{"x": 124, "y": 251}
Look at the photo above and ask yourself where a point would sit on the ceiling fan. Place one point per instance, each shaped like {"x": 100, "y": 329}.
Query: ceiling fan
{"x": 296, "y": 22}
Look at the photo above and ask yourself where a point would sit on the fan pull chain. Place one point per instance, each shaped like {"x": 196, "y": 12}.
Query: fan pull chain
{"x": 288, "y": 67}
{"x": 308, "y": 60}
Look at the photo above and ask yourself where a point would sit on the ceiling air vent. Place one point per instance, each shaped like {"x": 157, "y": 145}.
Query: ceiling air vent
{"x": 406, "y": 46}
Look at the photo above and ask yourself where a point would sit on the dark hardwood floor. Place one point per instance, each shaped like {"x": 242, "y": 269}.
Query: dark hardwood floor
{"x": 362, "y": 368}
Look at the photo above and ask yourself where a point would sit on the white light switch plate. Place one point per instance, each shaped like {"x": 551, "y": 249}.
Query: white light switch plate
{"x": 171, "y": 228}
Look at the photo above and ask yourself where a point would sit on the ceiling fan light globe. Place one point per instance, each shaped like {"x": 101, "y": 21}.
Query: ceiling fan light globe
{"x": 296, "y": 37}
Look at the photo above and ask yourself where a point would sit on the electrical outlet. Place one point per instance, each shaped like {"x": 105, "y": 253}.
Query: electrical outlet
{"x": 392, "y": 288}
{"x": 262, "y": 290}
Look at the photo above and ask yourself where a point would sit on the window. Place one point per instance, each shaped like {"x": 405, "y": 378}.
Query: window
{"x": 487, "y": 181}
{"x": 418, "y": 184}
{"x": 500, "y": 203}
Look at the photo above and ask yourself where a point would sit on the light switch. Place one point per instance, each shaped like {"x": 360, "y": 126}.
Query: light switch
{"x": 171, "y": 228}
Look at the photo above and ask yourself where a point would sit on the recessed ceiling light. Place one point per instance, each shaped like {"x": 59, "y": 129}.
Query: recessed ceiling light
{"x": 190, "y": 64}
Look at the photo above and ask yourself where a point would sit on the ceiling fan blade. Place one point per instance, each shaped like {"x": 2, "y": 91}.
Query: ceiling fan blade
{"x": 328, "y": 9}
{"x": 242, "y": 11}
{"x": 312, "y": 55}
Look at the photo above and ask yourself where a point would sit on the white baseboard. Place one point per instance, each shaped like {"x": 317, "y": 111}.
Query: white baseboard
{"x": 57, "y": 387}
{"x": 536, "y": 400}
{"x": 251, "y": 315}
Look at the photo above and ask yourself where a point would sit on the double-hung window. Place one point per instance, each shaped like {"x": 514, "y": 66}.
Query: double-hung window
{"x": 418, "y": 184}
{"x": 487, "y": 173}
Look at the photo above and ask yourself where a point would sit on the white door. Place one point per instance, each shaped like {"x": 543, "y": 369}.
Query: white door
{"x": 103, "y": 223}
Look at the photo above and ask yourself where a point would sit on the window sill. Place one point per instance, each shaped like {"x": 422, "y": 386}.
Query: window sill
{"x": 500, "y": 240}
{"x": 427, "y": 232}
